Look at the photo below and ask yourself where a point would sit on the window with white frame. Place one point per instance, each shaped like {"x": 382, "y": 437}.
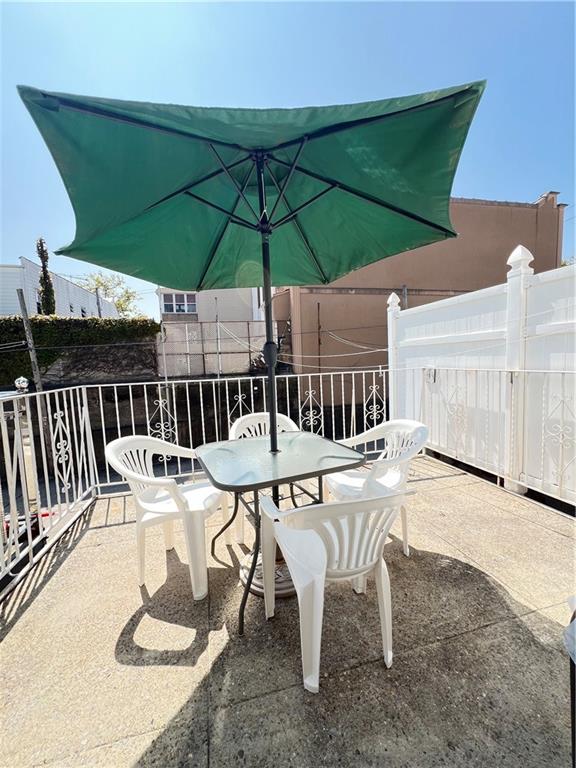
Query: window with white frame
{"x": 83, "y": 312}
{"x": 176, "y": 303}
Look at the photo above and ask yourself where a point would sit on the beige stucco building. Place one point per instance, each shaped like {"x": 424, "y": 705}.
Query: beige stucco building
{"x": 354, "y": 307}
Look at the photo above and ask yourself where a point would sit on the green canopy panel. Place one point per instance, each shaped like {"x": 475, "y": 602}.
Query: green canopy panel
{"x": 170, "y": 193}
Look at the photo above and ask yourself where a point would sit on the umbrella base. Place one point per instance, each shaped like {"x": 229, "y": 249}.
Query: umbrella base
{"x": 284, "y": 586}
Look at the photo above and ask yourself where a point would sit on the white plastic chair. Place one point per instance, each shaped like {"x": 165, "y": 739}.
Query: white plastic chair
{"x": 403, "y": 439}
{"x": 328, "y": 542}
{"x": 256, "y": 425}
{"x": 160, "y": 500}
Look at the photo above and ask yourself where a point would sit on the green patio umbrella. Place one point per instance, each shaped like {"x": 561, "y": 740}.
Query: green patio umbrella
{"x": 196, "y": 198}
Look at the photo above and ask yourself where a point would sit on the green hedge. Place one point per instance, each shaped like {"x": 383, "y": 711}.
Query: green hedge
{"x": 51, "y": 334}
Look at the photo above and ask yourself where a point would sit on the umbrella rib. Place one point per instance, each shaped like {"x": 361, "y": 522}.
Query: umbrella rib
{"x": 281, "y": 192}
{"x": 220, "y": 237}
{"x": 207, "y": 177}
{"x": 139, "y": 122}
{"x": 301, "y": 232}
{"x": 369, "y": 198}
{"x": 234, "y": 182}
{"x": 295, "y": 211}
{"x": 236, "y": 219}
{"x": 337, "y": 127}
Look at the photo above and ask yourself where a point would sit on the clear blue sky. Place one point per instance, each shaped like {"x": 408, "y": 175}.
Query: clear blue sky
{"x": 292, "y": 54}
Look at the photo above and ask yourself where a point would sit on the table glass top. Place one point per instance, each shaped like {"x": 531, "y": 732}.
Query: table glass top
{"x": 247, "y": 464}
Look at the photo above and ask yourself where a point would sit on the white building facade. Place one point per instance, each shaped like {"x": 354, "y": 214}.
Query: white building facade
{"x": 71, "y": 299}
{"x": 228, "y": 304}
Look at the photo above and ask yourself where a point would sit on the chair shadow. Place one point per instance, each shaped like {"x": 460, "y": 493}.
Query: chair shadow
{"x": 457, "y": 693}
{"x": 172, "y": 604}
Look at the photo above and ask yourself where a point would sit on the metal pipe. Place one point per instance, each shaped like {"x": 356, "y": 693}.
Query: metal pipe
{"x": 270, "y": 347}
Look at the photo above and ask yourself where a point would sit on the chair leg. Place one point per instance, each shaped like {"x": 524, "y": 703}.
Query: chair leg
{"x": 359, "y": 584}
{"x": 404, "y": 516}
{"x": 168, "y": 534}
{"x": 385, "y": 608}
{"x": 311, "y": 605}
{"x": 268, "y": 549}
{"x": 141, "y": 547}
{"x": 194, "y": 532}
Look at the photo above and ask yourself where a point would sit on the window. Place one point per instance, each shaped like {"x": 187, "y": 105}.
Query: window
{"x": 71, "y": 309}
{"x": 38, "y": 303}
{"x": 191, "y": 302}
{"x": 178, "y": 303}
{"x": 83, "y": 312}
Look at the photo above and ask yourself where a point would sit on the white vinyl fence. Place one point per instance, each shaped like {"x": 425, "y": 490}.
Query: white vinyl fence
{"x": 492, "y": 374}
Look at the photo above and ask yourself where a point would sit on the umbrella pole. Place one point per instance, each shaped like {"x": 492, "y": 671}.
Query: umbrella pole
{"x": 270, "y": 347}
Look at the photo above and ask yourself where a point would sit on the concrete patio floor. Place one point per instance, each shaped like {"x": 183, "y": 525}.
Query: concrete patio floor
{"x": 97, "y": 673}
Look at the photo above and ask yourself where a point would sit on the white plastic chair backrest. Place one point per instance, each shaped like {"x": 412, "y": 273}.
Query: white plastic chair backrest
{"x": 132, "y": 458}
{"x": 258, "y": 424}
{"x": 403, "y": 439}
{"x": 353, "y": 532}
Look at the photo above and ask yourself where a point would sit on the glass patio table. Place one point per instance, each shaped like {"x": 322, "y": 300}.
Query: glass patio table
{"x": 247, "y": 465}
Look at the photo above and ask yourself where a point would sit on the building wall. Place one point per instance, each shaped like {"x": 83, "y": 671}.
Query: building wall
{"x": 232, "y": 304}
{"x": 11, "y": 278}
{"x": 26, "y": 275}
{"x": 356, "y": 304}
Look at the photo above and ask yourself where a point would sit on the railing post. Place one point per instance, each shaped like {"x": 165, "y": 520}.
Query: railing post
{"x": 89, "y": 442}
{"x": 393, "y": 314}
{"x": 517, "y": 279}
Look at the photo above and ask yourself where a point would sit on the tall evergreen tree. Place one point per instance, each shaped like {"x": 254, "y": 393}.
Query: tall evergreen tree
{"x": 47, "y": 298}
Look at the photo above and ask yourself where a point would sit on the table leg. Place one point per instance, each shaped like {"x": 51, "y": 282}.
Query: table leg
{"x": 293, "y": 495}
{"x": 226, "y": 525}
{"x": 255, "y": 554}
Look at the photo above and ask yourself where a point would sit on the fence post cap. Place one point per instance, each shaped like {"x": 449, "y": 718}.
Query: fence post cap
{"x": 519, "y": 260}
{"x": 393, "y": 301}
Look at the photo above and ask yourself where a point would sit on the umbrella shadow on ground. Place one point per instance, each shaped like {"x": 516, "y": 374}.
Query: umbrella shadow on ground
{"x": 467, "y": 679}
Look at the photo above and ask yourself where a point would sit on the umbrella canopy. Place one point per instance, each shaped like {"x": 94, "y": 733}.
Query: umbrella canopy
{"x": 170, "y": 193}
{"x": 191, "y": 197}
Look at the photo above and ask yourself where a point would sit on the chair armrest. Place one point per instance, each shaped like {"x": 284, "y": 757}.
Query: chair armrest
{"x": 271, "y": 511}
{"x": 351, "y": 442}
{"x": 179, "y": 450}
{"x": 168, "y": 483}
{"x": 371, "y": 435}
{"x": 174, "y": 491}
{"x": 267, "y": 507}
